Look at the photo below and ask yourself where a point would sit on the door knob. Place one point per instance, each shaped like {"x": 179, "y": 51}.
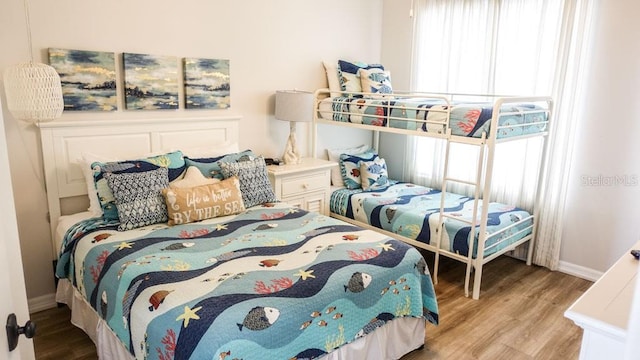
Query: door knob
{"x": 14, "y": 331}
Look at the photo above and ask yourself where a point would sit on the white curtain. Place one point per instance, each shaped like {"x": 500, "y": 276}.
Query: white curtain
{"x": 515, "y": 47}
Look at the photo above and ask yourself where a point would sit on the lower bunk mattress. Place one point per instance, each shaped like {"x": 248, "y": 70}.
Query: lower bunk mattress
{"x": 413, "y": 212}
{"x": 273, "y": 282}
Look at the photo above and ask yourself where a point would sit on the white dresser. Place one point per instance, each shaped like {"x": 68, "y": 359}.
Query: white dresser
{"x": 603, "y": 311}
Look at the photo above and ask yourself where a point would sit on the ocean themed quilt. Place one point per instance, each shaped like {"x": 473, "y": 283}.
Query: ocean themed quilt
{"x": 464, "y": 119}
{"x": 274, "y": 282}
{"x": 414, "y": 212}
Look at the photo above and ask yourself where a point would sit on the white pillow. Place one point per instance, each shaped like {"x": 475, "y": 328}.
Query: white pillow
{"x": 211, "y": 151}
{"x": 85, "y": 164}
{"x": 193, "y": 177}
{"x": 333, "y": 78}
{"x": 334, "y": 155}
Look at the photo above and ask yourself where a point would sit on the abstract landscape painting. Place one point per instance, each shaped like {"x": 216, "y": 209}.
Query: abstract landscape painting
{"x": 206, "y": 83}
{"x": 151, "y": 81}
{"x": 88, "y": 79}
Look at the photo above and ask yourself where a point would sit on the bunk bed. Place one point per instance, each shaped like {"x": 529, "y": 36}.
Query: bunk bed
{"x": 439, "y": 220}
{"x": 257, "y": 279}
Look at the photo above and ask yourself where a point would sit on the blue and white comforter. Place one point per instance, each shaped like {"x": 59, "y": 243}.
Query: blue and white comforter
{"x": 270, "y": 283}
{"x": 464, "y": 119}
{"x": 414, "y": 212}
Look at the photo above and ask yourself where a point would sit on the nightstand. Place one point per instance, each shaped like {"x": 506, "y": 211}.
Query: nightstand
{"x": 305, "y": 185}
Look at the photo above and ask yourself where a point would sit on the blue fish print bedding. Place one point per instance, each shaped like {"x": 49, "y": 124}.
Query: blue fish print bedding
{"x": 464, "y": 119}
{"x": 270, "y": 283}
{"x": 414, "y": 212}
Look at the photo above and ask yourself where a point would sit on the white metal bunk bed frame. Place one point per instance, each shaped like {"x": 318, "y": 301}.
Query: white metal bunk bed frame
{"x": 482, "y": 184}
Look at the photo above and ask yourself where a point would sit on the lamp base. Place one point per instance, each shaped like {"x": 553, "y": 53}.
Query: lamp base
{"x": 291, "y": 154}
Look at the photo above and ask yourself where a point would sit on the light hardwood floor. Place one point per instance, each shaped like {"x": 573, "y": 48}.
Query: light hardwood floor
{"x": 519, "y": 316}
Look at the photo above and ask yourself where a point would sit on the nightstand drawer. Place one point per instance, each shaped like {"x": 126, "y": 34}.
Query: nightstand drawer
{"x": 297, "y": 185}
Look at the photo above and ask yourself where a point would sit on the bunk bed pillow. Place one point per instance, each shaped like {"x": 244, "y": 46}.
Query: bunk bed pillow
{"x": 350, "y": 168}
{"x": 254, "y": 180}
{"x": 210, "y": 166}
{"x": 376, "y": 81}
{"x": 174, "y": 163}
{"x": 138, "y": 197}
{"x": 350, "y": 77}
{"x": 374, "y": 174}
{"x": 334, "y": 155}
{"x": 186, "y": 205}
{"x": 333, "y": 79}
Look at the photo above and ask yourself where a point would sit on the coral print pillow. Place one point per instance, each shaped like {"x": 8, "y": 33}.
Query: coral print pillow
{"x": 186, "y": 205}
{"x": 350, "y": 168}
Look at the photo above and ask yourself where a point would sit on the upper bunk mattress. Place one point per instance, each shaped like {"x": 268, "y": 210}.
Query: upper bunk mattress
{"x": 464, "y": 119}
{"x": 414, "y": 212}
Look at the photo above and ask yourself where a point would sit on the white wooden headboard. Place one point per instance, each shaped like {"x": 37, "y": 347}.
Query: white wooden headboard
{"x": 64, "y": 142}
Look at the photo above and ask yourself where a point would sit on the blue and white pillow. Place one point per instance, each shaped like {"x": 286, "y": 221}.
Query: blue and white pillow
{"x": 376, "y": 81}
{"x": 374, "y": 174}
{"x": 173, "y": 162}
{"x": 254, "y": 180}
{"x": 350, "y": 76}
{"x": 210, "y": 167}
{"x": 350, "y": 168}
{"x": 138, "y": 197}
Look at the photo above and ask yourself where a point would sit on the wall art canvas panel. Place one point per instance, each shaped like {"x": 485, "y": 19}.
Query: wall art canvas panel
{"x": 206, "y": 83}
{"x": 151, "y": 81}
{"x": 88, "y": 79}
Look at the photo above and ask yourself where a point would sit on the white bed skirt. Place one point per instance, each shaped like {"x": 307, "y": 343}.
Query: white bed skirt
{"x": 391, "y": 341}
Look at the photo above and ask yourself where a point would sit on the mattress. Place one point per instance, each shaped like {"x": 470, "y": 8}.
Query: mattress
{"x": 272, "y": 282}
{"x": 435, "y": 115}
{"x": 413, "y": 212}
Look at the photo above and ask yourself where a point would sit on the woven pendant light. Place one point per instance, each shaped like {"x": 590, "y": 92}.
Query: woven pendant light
{"x": 34, "y": 91}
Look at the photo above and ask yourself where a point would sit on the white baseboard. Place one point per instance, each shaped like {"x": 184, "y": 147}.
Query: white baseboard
{"x": 43, "y": 302}
{"x": 579, "y": 271}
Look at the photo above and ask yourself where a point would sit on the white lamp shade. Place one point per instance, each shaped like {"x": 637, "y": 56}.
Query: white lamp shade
{"x": 34, "y": 92}
{"x": 293, "y": 105}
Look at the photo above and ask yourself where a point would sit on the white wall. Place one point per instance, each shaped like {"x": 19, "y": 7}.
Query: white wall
{"x": 601, "y": 221}
{"x": 271, "y": 45}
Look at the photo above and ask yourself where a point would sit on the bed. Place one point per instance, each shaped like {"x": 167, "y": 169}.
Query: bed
{"x": 438, "y": 220}
{"x": 265, "y": 281}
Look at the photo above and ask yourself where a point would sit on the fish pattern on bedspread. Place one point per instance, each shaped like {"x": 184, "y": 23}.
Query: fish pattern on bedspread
{"x": 270, "y": 283}
{"x": 414, "y": 212}
{"x": 466, "y": 119}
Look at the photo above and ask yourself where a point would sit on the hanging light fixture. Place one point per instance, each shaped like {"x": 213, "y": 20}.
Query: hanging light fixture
{"x": 33, "y": 90}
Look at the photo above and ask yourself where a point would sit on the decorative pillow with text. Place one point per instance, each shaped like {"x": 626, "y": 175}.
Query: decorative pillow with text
{"x": 186, "y": 205}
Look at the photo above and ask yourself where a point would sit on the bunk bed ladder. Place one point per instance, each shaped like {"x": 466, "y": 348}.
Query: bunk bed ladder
{"x": 477, "y": 185}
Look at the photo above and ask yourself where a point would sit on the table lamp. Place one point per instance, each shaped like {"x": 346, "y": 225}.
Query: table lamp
{"x": 293, "y": 106}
